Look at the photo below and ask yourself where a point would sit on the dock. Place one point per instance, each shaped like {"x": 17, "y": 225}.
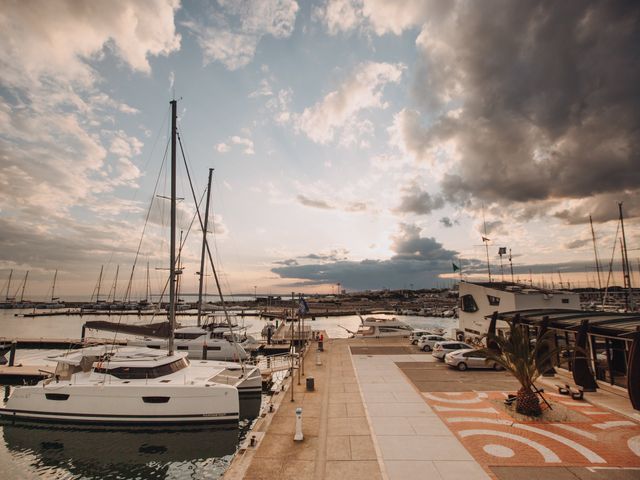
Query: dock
{"x": 57, "y": 343}
{"x": 381, "y": 409}
{"x": 22, "y": 374}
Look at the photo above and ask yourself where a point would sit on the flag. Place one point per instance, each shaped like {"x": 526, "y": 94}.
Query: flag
{"x": 485, "y": 239}
{"x": 303, "y": 308}
{"x": 455, "y": 267}
{"x": 502, "y": 251}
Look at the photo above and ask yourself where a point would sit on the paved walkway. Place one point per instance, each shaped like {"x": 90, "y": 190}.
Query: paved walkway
{"x": 413, "y": 442}
{"x": 338, "y": 444}
{"x": 380, "y": 411}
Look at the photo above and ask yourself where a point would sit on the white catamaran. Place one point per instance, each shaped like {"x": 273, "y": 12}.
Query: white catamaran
{"x": 133, "y": 385}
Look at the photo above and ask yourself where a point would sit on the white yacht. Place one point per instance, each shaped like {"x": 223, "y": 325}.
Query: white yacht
{"x": 478, "y": 301}
{"x": 383, "y": 327}
{"x": 127, "y": 385}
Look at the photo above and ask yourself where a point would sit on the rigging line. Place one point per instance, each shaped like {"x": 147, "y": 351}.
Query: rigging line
{"x": 146, "y": 221}
{"x": 609, "y": 275}
{"x": 213, "y": 267}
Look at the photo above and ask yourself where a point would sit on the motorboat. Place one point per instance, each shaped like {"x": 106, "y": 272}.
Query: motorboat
{"x": 128, "y": 385}
{"x": 383, "y": 327}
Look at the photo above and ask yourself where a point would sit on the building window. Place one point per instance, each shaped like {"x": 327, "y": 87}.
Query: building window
{"x": 495, "y": 301}
{"x": 565, "y": 300}
{"x": 468, "y": 304}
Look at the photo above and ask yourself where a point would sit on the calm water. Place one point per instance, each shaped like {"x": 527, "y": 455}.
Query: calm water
{"x": 68, "y": 453}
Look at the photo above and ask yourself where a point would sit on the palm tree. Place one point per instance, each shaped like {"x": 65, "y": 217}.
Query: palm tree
{"x": 525, "y": 360}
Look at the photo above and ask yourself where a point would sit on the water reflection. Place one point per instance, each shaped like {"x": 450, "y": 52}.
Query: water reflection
{"x": 113, "y": 453}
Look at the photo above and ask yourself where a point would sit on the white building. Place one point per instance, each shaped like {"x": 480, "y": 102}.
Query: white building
{"x": 480, "y": 299}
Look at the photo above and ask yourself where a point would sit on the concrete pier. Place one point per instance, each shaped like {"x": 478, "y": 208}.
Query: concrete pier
{"x": 381, "y": 409}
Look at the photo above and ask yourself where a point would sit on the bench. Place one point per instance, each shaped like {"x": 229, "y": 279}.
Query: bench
{"x": 575, "y": 391}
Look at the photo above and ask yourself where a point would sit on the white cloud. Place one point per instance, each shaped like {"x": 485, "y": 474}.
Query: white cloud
{"x": 340, "y": 15}
{"x": 377, "y": 16}
{"x": 43, "y": 38}
{"x": 231, "y": 34}
{"x": 246, "y": 144}
{"x": 341, "y": 107}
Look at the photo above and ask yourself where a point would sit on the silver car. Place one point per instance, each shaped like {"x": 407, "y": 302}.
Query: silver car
{"x": 440, "y": 349}
{"x": 416, "y": 334}
{"x": 469, "y": 358}
{"x": 427, "y": 342}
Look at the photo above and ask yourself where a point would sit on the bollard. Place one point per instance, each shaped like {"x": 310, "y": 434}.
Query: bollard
{"x": 318, "y": 360}
{"x": 204, "y": 352}
{"x": 298, "y": 437}
{"x": 310, "y": 384}
{"x": 253, "y": 441}
{"x": 12, "y": 353}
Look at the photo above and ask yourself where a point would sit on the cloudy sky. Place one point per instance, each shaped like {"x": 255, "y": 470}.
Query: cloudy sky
{"x": 354, "y": 141}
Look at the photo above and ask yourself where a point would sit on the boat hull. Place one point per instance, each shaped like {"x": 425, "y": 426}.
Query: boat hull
{"x": 123, "y": 405}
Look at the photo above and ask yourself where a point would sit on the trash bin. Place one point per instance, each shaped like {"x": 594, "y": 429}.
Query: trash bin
{"x": 310, "y": 384}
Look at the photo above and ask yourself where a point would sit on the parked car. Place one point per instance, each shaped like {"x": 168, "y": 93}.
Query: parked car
{"x": 440, "y": 349}
{"x": 469, "y": 358}
{"x": 427, "y": 342}
{"x": 416, "y": 334}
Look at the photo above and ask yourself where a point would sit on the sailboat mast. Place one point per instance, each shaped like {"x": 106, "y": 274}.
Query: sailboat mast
{"x": 172, "y": 247}
{"x": 115, "y": 283}
{"x": 485, "y": 240}
{"x": 99, "y": 284}
{"x": 595, "y": 252}
{"x": 24, "y": 285}
{"x": 9, "y": 285}
{"x": 204, "y": 246}
{"x": 53, "y": 287}
{"x": 147, "y": 292}
{"x": 625, "y": 261}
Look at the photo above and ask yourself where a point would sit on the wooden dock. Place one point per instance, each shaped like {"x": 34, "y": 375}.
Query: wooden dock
{"x": 23, "y": 374}
{"x": 57, "y": 343}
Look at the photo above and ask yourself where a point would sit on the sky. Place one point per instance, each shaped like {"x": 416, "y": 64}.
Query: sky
{"x": 365, "y": 143}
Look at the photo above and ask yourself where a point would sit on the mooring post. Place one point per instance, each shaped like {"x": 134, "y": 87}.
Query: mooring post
{"x": 204, "y": 351}
{"x": 298, "y": 437}
{"x": 12, "y": 354}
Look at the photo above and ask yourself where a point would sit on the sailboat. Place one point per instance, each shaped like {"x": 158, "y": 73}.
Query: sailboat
{"x": 109, "y": 384}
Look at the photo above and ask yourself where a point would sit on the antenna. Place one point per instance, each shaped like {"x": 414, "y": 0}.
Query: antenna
{"x": 511, "y": 265}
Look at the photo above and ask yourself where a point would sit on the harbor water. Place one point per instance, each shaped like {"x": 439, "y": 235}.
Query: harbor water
{"x": 72, "y": 453}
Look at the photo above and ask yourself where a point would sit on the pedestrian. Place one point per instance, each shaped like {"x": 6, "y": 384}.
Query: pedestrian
{"x": 321, "y": 342}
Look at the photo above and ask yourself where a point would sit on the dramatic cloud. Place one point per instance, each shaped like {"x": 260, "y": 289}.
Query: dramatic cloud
{"x": 532, "y": 101}
{"x": 339, "y": 109}
{"x": 418, "y": 260}
{"x": 415, "y": 200}
{"x": 231, "y": 35}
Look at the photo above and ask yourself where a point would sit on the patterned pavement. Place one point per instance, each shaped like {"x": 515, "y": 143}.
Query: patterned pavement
{"x": 594, "y": 437}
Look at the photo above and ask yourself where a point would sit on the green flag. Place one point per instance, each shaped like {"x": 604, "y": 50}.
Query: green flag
{"x": 455, "y": 267}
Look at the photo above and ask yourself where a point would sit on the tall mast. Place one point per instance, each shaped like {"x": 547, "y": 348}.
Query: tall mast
{"x": 115, "y": 283}
{"x": 24, "y": 285}
{"x": 147, "y": 292}
{"x": 99, "y": 284}
{"x": 172, "y": 247}
{"x": 485, "y": 240}
{"x": 9, "y": 285}
{"x": 595, "y": 252}
{"x": 204, "y": 246}
{"x": 53, "y": 288}
{"x": 625, "y": 262}
{"x": 511, "y": 265}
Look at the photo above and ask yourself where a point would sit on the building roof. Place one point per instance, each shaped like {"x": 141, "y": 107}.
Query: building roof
{"x": 603, "y": 323}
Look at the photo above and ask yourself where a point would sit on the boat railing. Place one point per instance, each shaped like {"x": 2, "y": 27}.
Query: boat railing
{"x": 275, "y": 363}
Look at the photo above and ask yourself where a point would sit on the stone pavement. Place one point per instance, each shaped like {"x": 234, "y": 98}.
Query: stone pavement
{"x": 337, "y": 441}
{"x": 383, "y": 410}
